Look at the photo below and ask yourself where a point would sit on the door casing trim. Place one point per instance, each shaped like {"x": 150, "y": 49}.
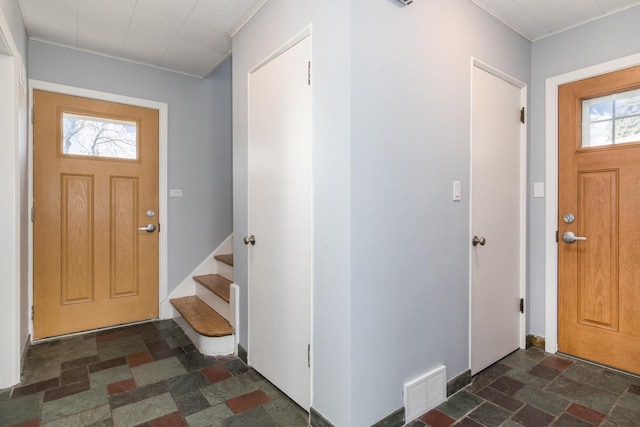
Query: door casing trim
{"x": 163, "y": 137}
{"x": 475, "y": 62}
{"x": 551, "y": 180}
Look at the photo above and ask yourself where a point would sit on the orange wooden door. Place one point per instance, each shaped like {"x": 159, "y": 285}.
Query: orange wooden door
{"x": 599, "y": 278}
{"x": 95, "y": 183}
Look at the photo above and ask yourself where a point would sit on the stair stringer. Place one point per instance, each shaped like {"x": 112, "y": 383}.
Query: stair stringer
{"x": 188, "y": 286}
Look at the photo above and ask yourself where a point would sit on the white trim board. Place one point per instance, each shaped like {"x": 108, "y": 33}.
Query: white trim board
{"x": 551, "y": 179}
{"x": 475, "y": 62}
{"x": 163, "y": 138}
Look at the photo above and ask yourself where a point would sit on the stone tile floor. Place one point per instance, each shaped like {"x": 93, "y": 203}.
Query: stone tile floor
{"x": 535, "y": 389}
{"x": 147, "y": 375}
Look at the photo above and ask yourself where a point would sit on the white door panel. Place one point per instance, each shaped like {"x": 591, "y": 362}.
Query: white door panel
{"x": 280, "y": 219}
{"x": 496, "y": 217}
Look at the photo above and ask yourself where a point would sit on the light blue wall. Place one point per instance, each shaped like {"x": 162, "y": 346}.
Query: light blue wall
{"x": 609, "y": 38}
{"x": 277, "y": 22}
{"x": 391, "y": 105}
{"x": 410, "y": 242}
{"x": 199, "y": 147}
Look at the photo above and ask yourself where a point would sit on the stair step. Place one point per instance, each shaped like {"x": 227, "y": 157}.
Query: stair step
{"x": 216, "y": 284}
{"x": 225, "y": 258}
{"x": 205, "y": 320}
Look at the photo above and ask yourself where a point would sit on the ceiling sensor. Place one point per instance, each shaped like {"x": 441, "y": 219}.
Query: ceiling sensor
{"x": 406, "y": 2}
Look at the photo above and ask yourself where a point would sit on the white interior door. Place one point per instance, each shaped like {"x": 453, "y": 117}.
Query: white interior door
{"x": 280, "y": 219}
{"x": 496, "y": 219}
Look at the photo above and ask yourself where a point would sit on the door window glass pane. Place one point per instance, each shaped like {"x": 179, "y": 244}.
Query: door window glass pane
{"x": 99, "y": 137}
{"x": 611, "y": 119}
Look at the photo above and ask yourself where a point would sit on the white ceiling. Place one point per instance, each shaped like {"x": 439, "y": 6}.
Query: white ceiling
{"x": 194, "y": 36}
{"x": 536, "y": 19}
{"x": 188, "y": 36}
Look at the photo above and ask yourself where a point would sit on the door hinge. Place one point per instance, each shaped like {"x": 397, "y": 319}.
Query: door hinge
{"x": 33, "y": 214}
{"x": 33, "y": 115}
{"x": 556, "y": 236}
{"x": 309, "y": 355}
{"x": 31, "y": 312}
{"x": 522, "y": 115}
{"x": 309, "y": 73}
{"x": 158, "y": 228}
{"x": 521, "y": 305}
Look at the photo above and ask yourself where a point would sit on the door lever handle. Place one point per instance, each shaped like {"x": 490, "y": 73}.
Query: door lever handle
{"x": 570, "y": 237}
{"x": 149, "y": 228}
{"x": 250, "y": 239}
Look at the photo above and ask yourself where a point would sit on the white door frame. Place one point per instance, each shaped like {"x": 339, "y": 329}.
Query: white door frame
{"x": 523, "y": 196}
{"x": 163, "y": 111}
{"x": 12, "y": 113}
{"x": 551, "y": 179}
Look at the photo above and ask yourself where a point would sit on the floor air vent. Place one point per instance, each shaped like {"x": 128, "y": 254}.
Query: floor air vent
{"x": 425, "y": 393}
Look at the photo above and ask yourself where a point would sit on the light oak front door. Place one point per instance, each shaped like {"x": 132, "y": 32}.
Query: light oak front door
{"x": 599, "y": 200}
{"x": 95, "y": 185}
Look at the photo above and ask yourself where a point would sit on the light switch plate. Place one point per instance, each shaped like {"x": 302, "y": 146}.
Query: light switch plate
{"x": 538, "y": 189}
{"x": 175, "y": 192}
{"x": 457, "y": 192}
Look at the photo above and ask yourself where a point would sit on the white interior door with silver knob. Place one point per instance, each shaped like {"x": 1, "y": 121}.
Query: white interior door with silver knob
{"x": 279, "y": 238}
{"x": 497, "y": 219}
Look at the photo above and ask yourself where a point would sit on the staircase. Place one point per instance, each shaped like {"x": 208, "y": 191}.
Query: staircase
{"x": 210, "y": 317}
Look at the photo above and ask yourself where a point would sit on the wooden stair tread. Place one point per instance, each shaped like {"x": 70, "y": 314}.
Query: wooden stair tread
{"x": 205, "y": 320}
{"x": 216, "y": 284}
{"x": 225, "y": 258}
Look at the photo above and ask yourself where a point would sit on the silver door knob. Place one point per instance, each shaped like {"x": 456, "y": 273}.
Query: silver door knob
{"x": 149, "y": 228}
{"x": 251, "y": 239}
{"x": 477, "y": 240}
{"x": 570, "y": 237}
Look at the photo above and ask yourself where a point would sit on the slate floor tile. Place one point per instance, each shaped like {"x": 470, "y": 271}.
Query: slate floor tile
{"x": 35, "y": 387}
{"x": 136, "y": 395}
{"x": 143, "y": 411}
{"x": 567, "y": 420}
{"x": 69, "y": 405}
{"x": 216, "y": 373}
{"x": 121, "y": 386}
{"x": 193, "y": 361}
{"x": 20, "y": 410}
{"x": 543, "y": 400}
{"x": 507, "y": 402}
{"x": 66, "y": 390}
{"x": 586, "y": 395}
{"x": 84, "y": 418}
{"x": 175, "y": 419}
{"x": 74, "y": 375}
{"x": 507, "y": 385}
{"x": 529, "y": 416}
{"x": 247, "y": 401}
{"x": 191, "y": 403}
{"x": 157, "y": 371}
{"x": 256, "y": 417}
{"x": 544, "y": 372}
{"x": 489, "y": 414}
{"x": 468, "y": 422}
{"x": 227, "y": 389}
{"x": 623, "y": 417}
{"x": 109, "y": 376}
{"x": 208, "y": 417}
{"x": 587, "y": 414}
{"x": 556, "y": 362}
{"x": 435, "y": 418}
{"x": 460, "y": 404}
{"x": 137, "y": 359}
{"x": 186, "y": 383}
{"x": 83, "y": 361}
{"x": 286, "y": 413}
